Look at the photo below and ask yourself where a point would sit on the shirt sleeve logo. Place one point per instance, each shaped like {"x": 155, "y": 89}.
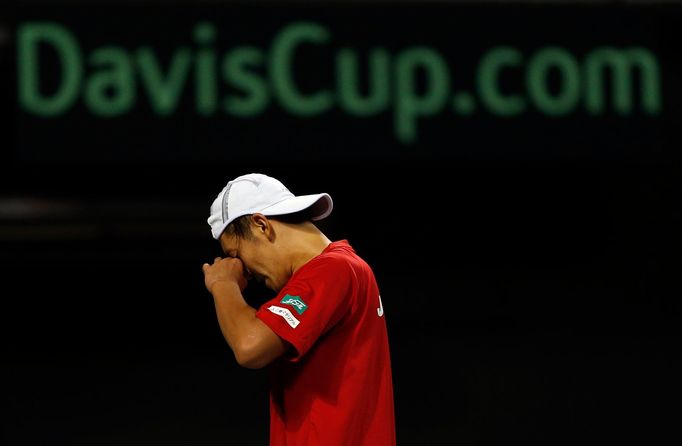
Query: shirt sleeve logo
{"x": 296, "y": 302}
{"x": 286, "y": 315}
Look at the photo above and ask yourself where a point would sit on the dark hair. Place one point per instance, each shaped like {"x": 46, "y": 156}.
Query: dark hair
{"x": 241, "y": 226}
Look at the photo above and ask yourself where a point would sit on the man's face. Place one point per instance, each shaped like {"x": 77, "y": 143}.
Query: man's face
{"x": 259, "y": 256}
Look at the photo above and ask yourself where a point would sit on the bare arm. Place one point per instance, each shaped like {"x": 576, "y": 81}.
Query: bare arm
{"x": 253, "y": 343}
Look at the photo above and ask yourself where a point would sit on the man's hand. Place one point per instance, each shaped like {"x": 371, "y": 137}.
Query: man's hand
{"x": 224, "y": 270}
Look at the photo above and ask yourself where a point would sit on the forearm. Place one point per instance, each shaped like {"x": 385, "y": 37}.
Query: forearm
{"x": 237, "y": 319}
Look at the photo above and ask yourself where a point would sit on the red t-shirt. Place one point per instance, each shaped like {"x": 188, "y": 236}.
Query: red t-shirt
{"x": 334, "y": 386}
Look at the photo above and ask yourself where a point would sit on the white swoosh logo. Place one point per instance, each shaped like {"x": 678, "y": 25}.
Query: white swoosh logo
{"x": 380, "y": 310}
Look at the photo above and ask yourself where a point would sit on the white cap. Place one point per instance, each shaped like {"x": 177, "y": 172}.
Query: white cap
{"x": 258, "y": 193}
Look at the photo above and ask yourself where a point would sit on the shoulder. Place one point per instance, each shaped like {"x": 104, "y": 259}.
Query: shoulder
{"x": 343, "y": 261}
{"x": 332, "y": 262}
{"x": 338, "y": 261}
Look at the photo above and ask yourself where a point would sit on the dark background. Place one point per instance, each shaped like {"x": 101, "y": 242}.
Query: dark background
{"x": 529, "y": 267}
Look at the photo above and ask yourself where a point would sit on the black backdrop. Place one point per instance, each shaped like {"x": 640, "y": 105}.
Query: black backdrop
{"x": 528, "y": 264}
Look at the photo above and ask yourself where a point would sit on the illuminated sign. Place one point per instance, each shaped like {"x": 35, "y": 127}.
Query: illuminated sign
{"x": 319, "y": 73}
{"x": 110, "y": 78}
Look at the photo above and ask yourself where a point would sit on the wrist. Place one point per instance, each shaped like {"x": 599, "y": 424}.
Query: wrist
{"x": 225, "y": 287}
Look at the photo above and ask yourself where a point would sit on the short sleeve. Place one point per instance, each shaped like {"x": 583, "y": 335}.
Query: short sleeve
{"x": 313, "y": 302}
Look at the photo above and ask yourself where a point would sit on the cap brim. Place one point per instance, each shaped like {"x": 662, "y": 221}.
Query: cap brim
{"x": 321, "y": 206}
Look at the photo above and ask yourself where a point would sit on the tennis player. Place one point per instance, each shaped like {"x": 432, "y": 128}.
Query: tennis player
{"x": 323, "y": 335}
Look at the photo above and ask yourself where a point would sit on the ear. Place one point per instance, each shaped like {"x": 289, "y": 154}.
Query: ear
{"x": 261, "y": 225}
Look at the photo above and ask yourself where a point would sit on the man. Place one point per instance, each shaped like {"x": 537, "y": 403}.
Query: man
{"x": 324, "y": 334}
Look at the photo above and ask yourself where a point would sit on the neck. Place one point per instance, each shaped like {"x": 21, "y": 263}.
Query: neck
{"x": 306, "y": 242}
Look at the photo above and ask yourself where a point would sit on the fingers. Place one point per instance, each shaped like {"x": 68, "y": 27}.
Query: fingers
{"x": 205, "y": 266}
